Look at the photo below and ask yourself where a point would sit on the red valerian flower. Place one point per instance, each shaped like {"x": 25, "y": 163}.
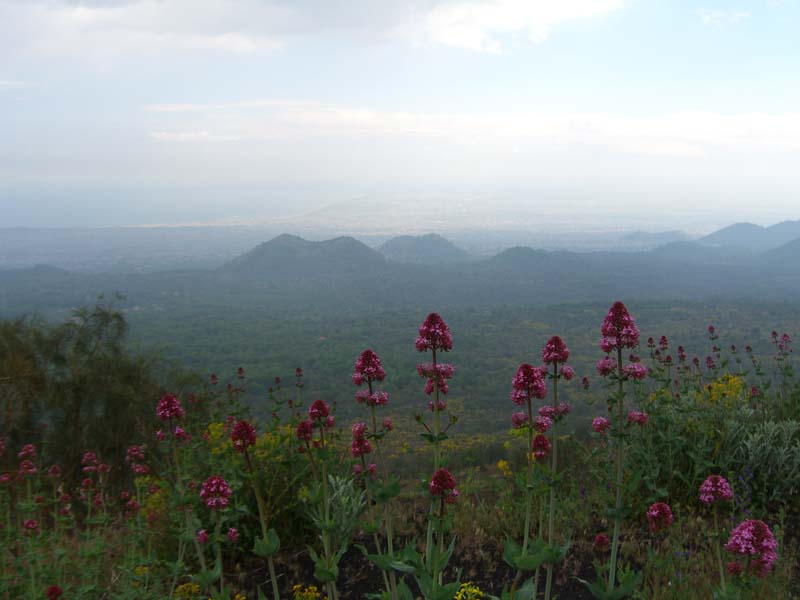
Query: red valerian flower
{"x": 660, "y": 516}
{"x": 443, "y": 485}
{"x": 754, "y": 540}
{"x": 601, "y": 542}
{"x": 528, "y": 383}
{"x": 202, "y": 536}
{"x": 26, "y": 468}
{"x": 434, "y": 335}
{"x": 169, "y": 407}
{"x": 233, "y": 534}
{"x": 368, "y": 368}
{"x": 541, "y": 446}
{"x": 606, "y": 366}
{"x": 243, "y": 436}
{"x": 439, "y": 373}
{"x": 715, "y": 489}
{"x": 601, "y": 424}
{"x": 318, "y": 410}
{"x": 519, "y": 419}
{"x": 53, "y": 592}
{"x": 305, "y": 430}
{"x": 28, "y": 451}
{"x": 637, "y": 417}
{"x": 216, "y": 492}
{"x": 555, "y": 351}
{"x": 619, "y": 329}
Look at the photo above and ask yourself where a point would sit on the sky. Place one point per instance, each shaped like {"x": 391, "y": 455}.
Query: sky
{"x": 633, "y": 113}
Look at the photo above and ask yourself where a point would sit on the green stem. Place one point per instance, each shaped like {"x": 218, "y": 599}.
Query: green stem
{"x": 262, "y": 517}
{"x": 218, "y": 548}
{"x": 719, "y": 553}
{"x": 528, "y": 495}
{"x": 551, "y": 518}
{"x": 620, "y": 471}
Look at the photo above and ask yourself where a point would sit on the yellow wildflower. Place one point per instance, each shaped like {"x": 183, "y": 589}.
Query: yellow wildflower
{"x": 504, "y": 468}
{"x": 468, "y": 591}
{"x": 187, "y": 590}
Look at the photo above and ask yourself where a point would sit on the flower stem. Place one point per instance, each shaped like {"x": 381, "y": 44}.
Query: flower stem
{"x": 551, "y": 518}
{"x": 620, "y": 471}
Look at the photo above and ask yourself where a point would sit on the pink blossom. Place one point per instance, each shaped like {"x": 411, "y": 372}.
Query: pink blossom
{"x": 169, "y": 408}
{"x": 368, "y": 368}
{"x": 606, "y": 366}
{"x": 443, "y": 484}
{"x": 601, "y": 542}
{"x": 542, "y": 424}
{"x": 134, "y": 454}
{"x": 434, "y": 335}
{"x": 160, "y": 436}
{"x": 635, "y": 370}
{"x": 233, "y": 535}
{"x": 541, "y": 446}
{"x": 318, "y": 410}
{"x": 180, "y": 434}
{"x": 202, "y": 536}
{"x": 375, "y": 399}
{"x": 442, "y": 405}
{"x": 28, "y": 451}
{"x": 360, "y": 447}
{"x": 519, "y": 419}
{"x": 305, "y": 430}
{"x": 715, "y": 489}
{"x": 31, "y": 526}
{"x": 637, "y": 417}
{"x": 243, "y": 436}
{"x": 26, "y": 467}
{"x": 528, "y": 383}
{"x": 619, "y": 329}
{"x": 54, "y": 472}
{"x": 601, "y": 424}
{"x": 753, "y": 539}
{"x": 660, "y": 516}
{"x": 566, "y": 372}
{"x": 387, "y": 424}
{"x": 216, "y": 492}
{"x": 548, "y": 411}
{"x": 562, "y": 409}
{"x": 555, "y": 351}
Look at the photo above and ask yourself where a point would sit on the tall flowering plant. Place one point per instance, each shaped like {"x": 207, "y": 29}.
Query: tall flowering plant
{"x": 314, "y": 434}
{"x": 434, "y": 337}
{"x": 619, "y": 335}
{"x": 368, "y": 371}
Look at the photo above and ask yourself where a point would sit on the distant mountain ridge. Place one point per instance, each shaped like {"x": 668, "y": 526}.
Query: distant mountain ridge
{"x": 292, "y": 256}
{"x": 429, "y": 248}
{"x": 754, "y": 237}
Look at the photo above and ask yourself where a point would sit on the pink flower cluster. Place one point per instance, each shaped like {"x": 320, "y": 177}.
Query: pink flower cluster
{"x": 319, "y": 416}
{"x": 555, "y": 351}
{"x": 528, "y": 383}
{"x": 541, "y": 446}
{"x": 374, "y": 399}
{"x": 215, "y": 492}
{"x": 659, "y": 516}
{"x": 715, "y": 489}
{"x": 434, "y": 335}
{"x": 243, "y": 435}
{"x": 169, "y": 407}
{"x": 443, "y": 485}
{"x": 754, "y": 540}
{"x": 619, "y": 329}
{"x": 601, "y": 424}
{"x": 637, "y": 417}
{"x": 436, "y": 375}
{"x": 368, "y": 368}
{"x": 360, "y": 444}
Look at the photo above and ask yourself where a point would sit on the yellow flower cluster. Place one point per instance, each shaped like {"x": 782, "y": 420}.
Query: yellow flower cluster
{"x": 468, "y": 591}
{"x": 727, "y": 391}
{"x": 306, "y": 593}
{"x": 188, "y": 591}
{"x": 215, "y": 434}
{"x": 272, "y": 443}
{"x": 505, "y": 468}
{"x": 240, "y": 596}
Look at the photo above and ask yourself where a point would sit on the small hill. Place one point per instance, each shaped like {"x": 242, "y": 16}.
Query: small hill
{"x": 738, "y": 234}
{"x": 290, "y": 256}
{"x": 783, "y": 258}
{"x": 753, "y": 236}
{"x": 422, "y": 249}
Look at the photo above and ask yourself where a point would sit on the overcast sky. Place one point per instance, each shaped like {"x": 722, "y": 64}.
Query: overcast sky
{"x": 653, "y": 112}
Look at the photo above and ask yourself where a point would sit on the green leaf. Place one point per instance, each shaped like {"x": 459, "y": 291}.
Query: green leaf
{"x": 268, "y": 546}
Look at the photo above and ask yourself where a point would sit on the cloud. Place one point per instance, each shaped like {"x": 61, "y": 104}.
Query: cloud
{"x": 10, "y": 84}
{"x": 480, "y": 25}
{"x": 721, "y": 17}
{"x": 102, "y": 31}
{"x": 681, "y": 134}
